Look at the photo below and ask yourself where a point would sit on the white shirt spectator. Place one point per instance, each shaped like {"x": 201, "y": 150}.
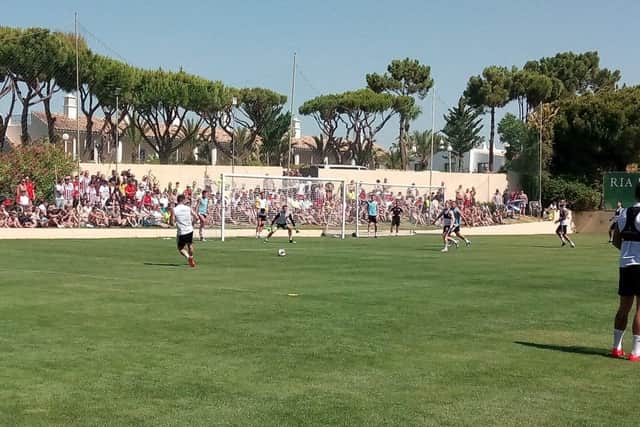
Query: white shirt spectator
{"x": 164, "y": 201}
{"x": 24, "y": 201}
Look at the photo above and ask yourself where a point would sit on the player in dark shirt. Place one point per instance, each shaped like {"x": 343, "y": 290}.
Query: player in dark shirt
{"x": 614, "y": 221}
{"x": 396, "y": 211}
{"x": 285, "y": 221}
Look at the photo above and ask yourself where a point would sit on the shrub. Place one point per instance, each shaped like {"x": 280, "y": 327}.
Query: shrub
{"x": 42, "y": 162}
{"x": 579, "y": 196}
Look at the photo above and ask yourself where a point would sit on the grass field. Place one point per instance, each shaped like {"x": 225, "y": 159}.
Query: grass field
{"x": 512, "y": 331}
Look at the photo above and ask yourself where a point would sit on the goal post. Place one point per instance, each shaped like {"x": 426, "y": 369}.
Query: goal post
{"x": 315, "y": 203}
{"x": 417, "y": 202}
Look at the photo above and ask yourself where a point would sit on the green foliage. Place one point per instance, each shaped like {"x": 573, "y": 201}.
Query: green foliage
{"x": 489, "y": 91}
{"x": 420, "y": 143}
{"x": 579, "y": 73}
{"x": 407, "y": 79}
{"x": 578, "y": 195}
{"x": 274, "y": 144}
{"x": 596, "y": 133}
{"x": 41, "y": 162}
{"x": 462, "y": 129}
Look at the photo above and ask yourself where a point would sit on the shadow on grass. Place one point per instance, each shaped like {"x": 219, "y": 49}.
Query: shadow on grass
{"x": 163, "y": 264}
{"x": 587, "y": 351}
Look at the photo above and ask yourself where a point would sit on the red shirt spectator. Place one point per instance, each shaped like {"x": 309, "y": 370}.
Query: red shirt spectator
{"x": 146, "y": 200}
{"x": 31, "y": 189}
{"x": 130, "y": 190}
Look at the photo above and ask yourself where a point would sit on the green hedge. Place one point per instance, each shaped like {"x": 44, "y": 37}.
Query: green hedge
{"x": 579, "y": 196}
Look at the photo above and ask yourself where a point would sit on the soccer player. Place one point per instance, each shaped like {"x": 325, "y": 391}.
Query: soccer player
{"x": 283, "y": 220}
{"x": 203, "y": 205}
{"x": 181, "y": 217}
{"x": 372, "y": 212}
{"x": 396, "y": 211}
{"x": 261, "y": 205}
{"x": 627, "y": 239}
{"x": 457, "y": 222}
{"x": 563, "y": 224}
{"x": 447, "y": 219}
{"x": 614, "y": 220}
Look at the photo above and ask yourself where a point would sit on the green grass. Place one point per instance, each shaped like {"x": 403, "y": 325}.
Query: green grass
{"x": 512, "y": 331}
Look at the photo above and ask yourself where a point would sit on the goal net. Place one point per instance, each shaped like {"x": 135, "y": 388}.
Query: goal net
{"x": 315, "y": 203}
{"x": 420, "y": 204}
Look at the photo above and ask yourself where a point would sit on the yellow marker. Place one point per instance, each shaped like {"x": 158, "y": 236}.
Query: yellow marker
{"x": 292, "y": 295}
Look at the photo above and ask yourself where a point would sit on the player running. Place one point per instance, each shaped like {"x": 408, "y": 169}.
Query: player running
{"x": 563, "y": 222}
{"x": 627, "y": 239}
{"x": 614, "y": 220}
{"x": 457, "y": 222}
{"x": 447, "y": 219}
{"x": 202, "y": 206}
{"x": 261, "y": 205}
{"x": 396, "y": 211}
{"x": 372, "y": 212}
{"x": 283, "y": 220}
{"x": 181, "y": 217}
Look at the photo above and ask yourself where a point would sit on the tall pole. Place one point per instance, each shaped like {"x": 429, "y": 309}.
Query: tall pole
{"x": 540, "y": 159}
{"x": 77, "y": 91}
{"x": 293, "y": 91}
{"x": 115, "y": 130}
{"x": 433, "y": 135}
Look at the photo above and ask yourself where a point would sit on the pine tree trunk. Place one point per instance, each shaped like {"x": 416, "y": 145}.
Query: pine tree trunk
{"x": 24, "y": 122}
{"x": 50, "y": 121}
{"x": 491, "y": 137}
{"x": 404, "y": 161}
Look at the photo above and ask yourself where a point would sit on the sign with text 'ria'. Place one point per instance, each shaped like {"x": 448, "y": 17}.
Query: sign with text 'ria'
{"x": 619, "y": 186}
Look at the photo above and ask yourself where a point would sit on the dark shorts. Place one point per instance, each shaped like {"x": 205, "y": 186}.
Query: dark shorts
{"x": 614, "y": 225}
{"x": 629, "y": 284}
{"x": 373, "y": 219}
{"x": 204, "y": 215}
{"x": 282, "y": 226}
{"x": 562, "y": 229}
{"x": 262, "y": 217}
{"x": 395, "y": 220}
{"x": 445, "y": 229}
{"x": 455, "y": 229}
{"x": 185, "y": 239}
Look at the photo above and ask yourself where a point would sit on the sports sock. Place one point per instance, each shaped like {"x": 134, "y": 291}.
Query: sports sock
{"x": 185, "y": 253}
{"x": 636, "y": 345}
{"x": 617, "y": 338}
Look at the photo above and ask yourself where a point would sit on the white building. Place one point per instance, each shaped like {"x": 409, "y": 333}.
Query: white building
{"x": 476, "y": 160}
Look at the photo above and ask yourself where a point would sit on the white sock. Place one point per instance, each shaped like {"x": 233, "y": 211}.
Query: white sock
{"x": 185, "y": 254}
{"x": 617, "y": 339}
{"x": 636, "y": 345}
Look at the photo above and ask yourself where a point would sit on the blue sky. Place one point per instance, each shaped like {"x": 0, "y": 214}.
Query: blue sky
{"x": 251, "y": 43}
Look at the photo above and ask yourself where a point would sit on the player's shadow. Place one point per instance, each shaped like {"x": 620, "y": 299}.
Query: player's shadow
{"x": 587, "y": 351}
{"x": 163, "y": 264}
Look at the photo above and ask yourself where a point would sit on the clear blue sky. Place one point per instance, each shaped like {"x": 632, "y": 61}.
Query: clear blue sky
{"x": 250, "y": 43}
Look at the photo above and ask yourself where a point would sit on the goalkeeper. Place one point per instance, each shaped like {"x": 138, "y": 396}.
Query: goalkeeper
{"x": 283, "y": 220}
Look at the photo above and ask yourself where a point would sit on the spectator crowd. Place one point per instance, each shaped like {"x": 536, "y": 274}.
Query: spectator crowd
{"x": 123, "y": 200}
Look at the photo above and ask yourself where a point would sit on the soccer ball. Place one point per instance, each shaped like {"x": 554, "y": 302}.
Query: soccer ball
{"x": 282, "y": 252}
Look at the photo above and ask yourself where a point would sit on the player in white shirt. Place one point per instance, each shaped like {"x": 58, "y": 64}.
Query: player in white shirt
{"x": 627, "y": 239}
{"x": 261, "y": 205}
{"x": 181, "y": 216}
{"x": 563, "y": 222}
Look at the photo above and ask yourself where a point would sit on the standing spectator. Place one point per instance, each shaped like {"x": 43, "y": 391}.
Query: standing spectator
{"x": 525, "y": 201}
{"x": 23, "y": 200}
{"x": 497, "y": 199}
{"x": 68, "y": 191}
{"x": 505, "y": 197}
{"x": 30, "y": 187}
{"x": 20, "y": 188}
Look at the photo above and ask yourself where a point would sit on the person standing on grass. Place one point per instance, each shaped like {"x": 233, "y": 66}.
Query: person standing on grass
{"x": 372, "y": 212}
{"x": 627, "y": 239}
{"x": 181, "y": 217}
{"x": 283, "y": 220}
{"x": 563, "y": 225}
{"x": 396, "y": 211}
{"x": 614, "y": 220}
{"x": 203, "y": 205}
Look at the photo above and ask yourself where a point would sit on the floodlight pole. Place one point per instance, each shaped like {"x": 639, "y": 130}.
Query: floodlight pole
{"x": 433, "y": 135}
{"x": 293, "y": 90}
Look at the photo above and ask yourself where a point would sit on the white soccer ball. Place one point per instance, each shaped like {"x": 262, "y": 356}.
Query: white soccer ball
{"x": 282, "y": 252}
